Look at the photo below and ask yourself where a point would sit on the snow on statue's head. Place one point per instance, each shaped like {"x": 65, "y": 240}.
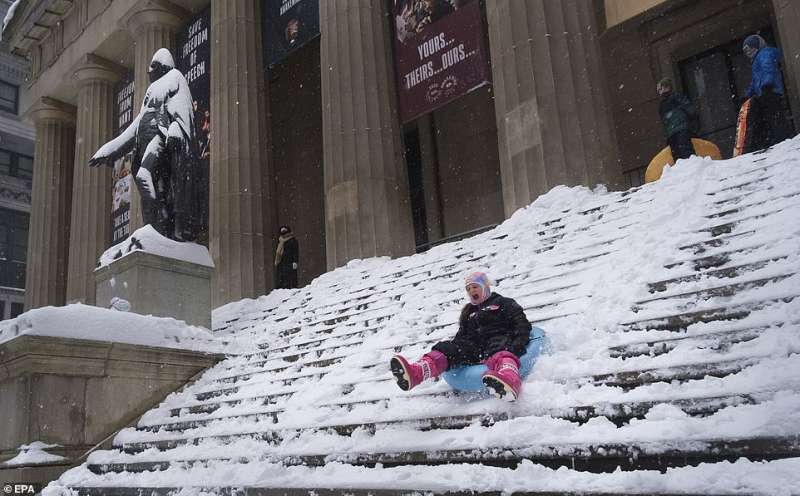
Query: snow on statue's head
{"x": 161, "y": 64}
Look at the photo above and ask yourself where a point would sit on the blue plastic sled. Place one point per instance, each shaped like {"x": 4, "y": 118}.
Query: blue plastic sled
{"x": 470, "y": 378}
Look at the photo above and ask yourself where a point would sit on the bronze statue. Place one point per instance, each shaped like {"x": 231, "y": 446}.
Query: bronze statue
{"x": 166, "y": 165}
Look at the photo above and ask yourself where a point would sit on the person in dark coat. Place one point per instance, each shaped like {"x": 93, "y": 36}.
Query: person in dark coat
{"x": 286, "y": 257}
{"x": 766, "y": 122}
{"x": 677, "y": 114}
{"x": 492, "y": 329}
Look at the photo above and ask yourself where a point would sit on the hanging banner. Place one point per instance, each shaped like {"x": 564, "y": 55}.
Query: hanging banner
{"x": 122, "y": 179}
{"x": 288, "y": 25}
{"x": 194, "y": 61}
{"x": 440, "y": 53}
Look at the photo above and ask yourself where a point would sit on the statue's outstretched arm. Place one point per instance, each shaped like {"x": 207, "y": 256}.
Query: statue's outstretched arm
{"x": 117, "y": 147}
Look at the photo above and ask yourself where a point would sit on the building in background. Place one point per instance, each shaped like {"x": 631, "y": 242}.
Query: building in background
{"x": 371, "y": 131}
{"x": 16, "y": 174}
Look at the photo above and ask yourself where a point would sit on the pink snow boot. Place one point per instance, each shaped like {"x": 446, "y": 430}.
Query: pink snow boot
{"x": 502, "y": 379}
{"x": 409, "y": 375}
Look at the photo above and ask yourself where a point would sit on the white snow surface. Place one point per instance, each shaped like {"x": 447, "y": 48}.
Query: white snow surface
{"x": 33, "y": 454}
{"x": 100, "y": 324}
{"x": 153, "y": 242}
{"x": 163, "y": 56}
{"x": 171, "y": 93}
{"x": 583, "y": 263}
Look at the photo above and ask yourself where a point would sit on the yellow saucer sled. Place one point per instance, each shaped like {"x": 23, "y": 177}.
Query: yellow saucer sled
{"x": 702, "y": 148}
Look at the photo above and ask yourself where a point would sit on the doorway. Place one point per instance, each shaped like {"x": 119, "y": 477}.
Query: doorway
{"x": 717, "y": 80}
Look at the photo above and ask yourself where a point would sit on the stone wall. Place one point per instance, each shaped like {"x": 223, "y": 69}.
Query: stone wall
{"x": 76, "y": 393}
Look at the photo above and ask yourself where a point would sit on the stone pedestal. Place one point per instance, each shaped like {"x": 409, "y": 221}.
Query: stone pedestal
{"x": 160, "y": 286}
{"x": 76, "y": 393}
{"x": 553, "y": 123}
{"x": 90, "y": 228}
{"x": 48, "y": 240}
{"x": 367, "y": 205}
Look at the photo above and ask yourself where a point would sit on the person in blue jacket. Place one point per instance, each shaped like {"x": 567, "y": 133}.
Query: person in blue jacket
{"x": 767, "y": 123}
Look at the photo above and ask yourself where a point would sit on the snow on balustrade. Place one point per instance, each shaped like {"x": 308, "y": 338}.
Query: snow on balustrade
{"x": 79, "y": 321}
{"x": 672, "y": 317}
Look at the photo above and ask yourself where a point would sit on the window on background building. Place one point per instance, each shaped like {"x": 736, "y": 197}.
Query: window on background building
{"x": 16, "y": 309}
{"x": 9, "y": 97}
{"x": 13, "y": 247}
{"x": 14, "y": 164}
{"x": 5, "y": 162}
{"x": 2, "y": 309}
{"x": 24, "y": 167}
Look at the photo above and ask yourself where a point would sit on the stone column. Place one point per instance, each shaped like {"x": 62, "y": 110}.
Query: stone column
{"x": 48, "y": 239}
{"x": 787, "y": 15}
{"x": 242, "y": 213}
{"x": 152, "y": 25}
{"x": 90, "y": 228}
{"x": 553, "y": 122}
{"x": 367, "y": 206}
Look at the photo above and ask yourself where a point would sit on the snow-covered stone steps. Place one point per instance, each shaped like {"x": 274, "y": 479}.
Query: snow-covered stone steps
{"x": 738, "y": 285}
{"x": 617, "y": 413}
{"x": 587, "y": 211}
{"x": 308, "y": 331}
{"x": 672, "y": 314}
{"x": 599, "y": 457}
{"x": 593, "y": 457}
{"x": 745, "y": 206}
{"x": 537, "y": 314}
{"x": 273, "y": 398}
{"x": 209, "y": 393}
{"x": 474, "y": 259}
{"x": 724, "y": 339}
{"x": 626, "y": 379}
{"x": 730, "y": 255}
{"x": 718, "y": 341}
{"x": 340, "y": 319}
{"x": 292, "y": 353}
{"x": 525, "y": 287}
{"x": 726, "y": 270}
{"x": 681, "y": 321}
{"x": 352, "y": 491}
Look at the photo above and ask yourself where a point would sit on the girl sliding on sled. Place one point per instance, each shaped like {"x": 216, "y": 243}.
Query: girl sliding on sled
{"x": 492, "y": 330}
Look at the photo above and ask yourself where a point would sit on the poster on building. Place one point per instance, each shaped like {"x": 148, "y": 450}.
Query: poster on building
{"x": 440, "y": 53}
{"x": 194, "y": 61}
{"x": 288, "y": 25}
{"x": 122, "y": 180}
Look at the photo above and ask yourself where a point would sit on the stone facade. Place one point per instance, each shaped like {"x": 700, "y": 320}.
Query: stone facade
{"x": 76, "y": 393}
{"x": 316, "y": 142}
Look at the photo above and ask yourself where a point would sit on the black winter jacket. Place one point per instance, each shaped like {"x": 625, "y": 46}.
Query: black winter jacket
{"x": 497, "y": 323}
{"x": 291, "y": 253}
{"x": 678, "y": 113}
